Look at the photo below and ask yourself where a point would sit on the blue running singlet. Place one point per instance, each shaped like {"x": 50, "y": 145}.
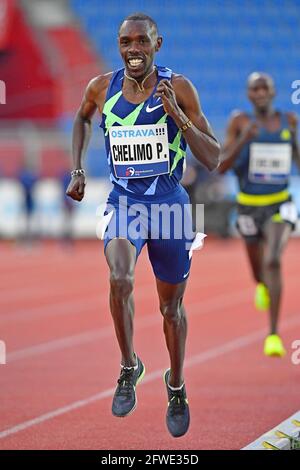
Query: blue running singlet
{"x": 145, "y": 149}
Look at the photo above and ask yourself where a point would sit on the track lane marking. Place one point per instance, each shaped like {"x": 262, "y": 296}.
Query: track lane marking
{"x": 205, "y": 356}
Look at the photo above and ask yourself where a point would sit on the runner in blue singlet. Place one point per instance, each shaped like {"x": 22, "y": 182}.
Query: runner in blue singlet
{"x": 149, "y": 115}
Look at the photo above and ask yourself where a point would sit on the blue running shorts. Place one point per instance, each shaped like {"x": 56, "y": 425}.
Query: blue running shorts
{"x": 164, "y": 223}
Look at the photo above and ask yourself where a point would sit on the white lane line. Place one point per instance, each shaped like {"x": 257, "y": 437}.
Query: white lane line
{"x": 205, "y": 356}
{"x": 206, "y": 307}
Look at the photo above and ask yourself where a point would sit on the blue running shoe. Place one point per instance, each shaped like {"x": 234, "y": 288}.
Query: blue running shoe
{"x": 178, "y": 414}
{"x": 125, "y": 401}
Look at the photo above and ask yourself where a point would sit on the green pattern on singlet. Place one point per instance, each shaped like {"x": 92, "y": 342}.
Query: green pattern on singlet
{"x": 175, "y": 146}
{"x": 112, "y": 118}
{"x": 128, "y": 120}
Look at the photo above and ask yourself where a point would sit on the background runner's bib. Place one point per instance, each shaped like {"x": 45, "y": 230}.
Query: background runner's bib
{"x": 140, "y": 151}
{"x": 270, "y": 163}
{"x": 264, "y": 163}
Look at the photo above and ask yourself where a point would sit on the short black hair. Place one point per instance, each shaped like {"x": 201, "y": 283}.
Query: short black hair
{"x": 260, "y": 75}
{"x": 140, "y": 17}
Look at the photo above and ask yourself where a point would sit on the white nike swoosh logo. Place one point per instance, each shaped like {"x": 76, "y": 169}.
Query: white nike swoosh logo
{"x": 149, "y": 110}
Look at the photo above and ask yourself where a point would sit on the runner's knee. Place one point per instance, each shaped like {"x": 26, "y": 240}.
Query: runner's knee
{"x": 171, "y": 310}
{"x": 121, "y": 284}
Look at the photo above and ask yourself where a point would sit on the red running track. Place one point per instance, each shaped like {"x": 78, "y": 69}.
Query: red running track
{"x": 63, "y": 359}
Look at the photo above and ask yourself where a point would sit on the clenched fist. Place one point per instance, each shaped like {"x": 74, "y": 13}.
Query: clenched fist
{"x": 76, "y": 187}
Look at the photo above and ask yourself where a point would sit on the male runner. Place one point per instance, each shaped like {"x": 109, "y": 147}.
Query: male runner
{"x": 143, "y": 97}
{"x": 260, "y": 147}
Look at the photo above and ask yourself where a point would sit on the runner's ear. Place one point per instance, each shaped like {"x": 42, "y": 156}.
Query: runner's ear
{"x": 158, "y": 43}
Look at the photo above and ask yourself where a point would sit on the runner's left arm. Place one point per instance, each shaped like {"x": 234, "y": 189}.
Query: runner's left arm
{"x": 181, "y": 102}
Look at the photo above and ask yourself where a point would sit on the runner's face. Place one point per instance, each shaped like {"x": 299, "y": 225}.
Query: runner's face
{"x": 261, "y": 93}
{"x": 138, "y": 43}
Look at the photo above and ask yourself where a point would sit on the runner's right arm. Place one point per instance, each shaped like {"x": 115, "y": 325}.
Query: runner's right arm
{"x": 93, "y": 98}
{"x": 239, "y": 131}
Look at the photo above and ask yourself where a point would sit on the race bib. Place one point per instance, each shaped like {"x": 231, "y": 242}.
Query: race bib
{"x": 270, "y": 163}
{"x": 139, "y": 151}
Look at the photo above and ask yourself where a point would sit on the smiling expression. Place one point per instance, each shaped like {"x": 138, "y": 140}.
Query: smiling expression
{"x": 138, "y": 43}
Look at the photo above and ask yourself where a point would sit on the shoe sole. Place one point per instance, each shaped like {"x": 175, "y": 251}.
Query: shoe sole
{"x": 275, "y": 354}
{"x": 135, "y": 404}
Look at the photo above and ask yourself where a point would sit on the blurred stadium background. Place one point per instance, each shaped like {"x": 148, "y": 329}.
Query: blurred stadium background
{"x": 50, "y": 49}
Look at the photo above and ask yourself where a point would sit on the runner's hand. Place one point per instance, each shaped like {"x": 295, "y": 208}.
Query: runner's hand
{"x": 249, "y": 132}
{"x": 76, "y": 187}
{"x": 166, "y": 92}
